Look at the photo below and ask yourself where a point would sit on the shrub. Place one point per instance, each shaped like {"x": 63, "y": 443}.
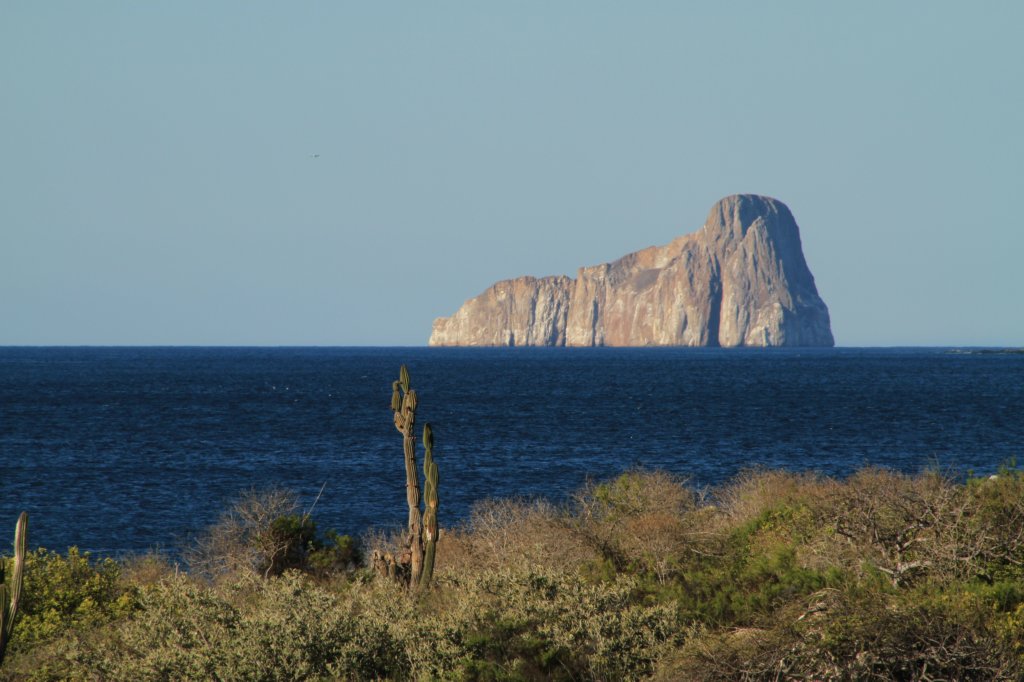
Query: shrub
{"x": 754, "y": 492}
{"x": 645, "y": 521}
{"x": 262, "y": 534}
{"x": 283, "y": 628}
{"x": 915, "y": 635}
{"x": 512, "y": 624}
{"x": 855, "y": 634}
{"x": 993, "y": 536}
{"x": 68, "y": 592}
{"x": 513, "y": 533}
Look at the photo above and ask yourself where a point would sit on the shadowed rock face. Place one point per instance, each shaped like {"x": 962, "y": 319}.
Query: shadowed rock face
{"x": 741, "y": 280}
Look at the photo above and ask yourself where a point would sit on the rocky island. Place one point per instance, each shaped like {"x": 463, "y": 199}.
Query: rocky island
{"x": 740, "y": 280}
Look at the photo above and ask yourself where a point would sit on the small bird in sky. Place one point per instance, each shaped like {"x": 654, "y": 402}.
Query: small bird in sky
{"x": 314, "y": 156}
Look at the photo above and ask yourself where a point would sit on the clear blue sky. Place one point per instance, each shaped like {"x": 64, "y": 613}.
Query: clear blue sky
{"x": 157, "y": 184}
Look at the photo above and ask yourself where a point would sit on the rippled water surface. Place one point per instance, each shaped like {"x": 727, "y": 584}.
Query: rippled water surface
{"x": 125, "y": 449}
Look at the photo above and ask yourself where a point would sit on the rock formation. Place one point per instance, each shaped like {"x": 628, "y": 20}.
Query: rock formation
{"x": 741, "y": 280}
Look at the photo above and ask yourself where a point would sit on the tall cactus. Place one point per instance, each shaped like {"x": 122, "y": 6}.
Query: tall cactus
{"x": 421, "y": 540}
{"x": 11, "y": 575}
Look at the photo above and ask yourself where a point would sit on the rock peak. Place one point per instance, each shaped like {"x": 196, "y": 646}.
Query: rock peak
{"x": 739, "y": 281}
{"x": 736, "y": 214}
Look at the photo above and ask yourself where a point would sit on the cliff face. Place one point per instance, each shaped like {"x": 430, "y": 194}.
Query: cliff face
{"x": 741, "y": 280}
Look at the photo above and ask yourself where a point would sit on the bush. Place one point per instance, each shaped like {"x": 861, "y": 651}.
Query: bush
{"x": 68, "y": 592}
{"x": 517, "y": 625}
{"x": 501, "y": 534}
{"x": 993, "y": 537}
{"x": 262, "y": 534}
{"x": 644, "y": 521}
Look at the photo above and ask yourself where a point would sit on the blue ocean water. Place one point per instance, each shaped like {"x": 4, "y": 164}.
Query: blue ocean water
{"x": 122, "y": 450}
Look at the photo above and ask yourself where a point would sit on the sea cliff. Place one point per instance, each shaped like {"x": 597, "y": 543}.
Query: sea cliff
{"x": 740, "y": 280}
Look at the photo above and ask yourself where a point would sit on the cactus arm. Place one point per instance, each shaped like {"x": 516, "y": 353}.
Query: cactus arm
{"x": 429, "y": 506}
{"x": 20, "y": 546}
{"x": 396, "y": 398}
{"x": 10, "y": 588}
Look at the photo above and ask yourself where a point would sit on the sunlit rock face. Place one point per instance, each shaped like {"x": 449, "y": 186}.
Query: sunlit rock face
{"x": 741, "y": 280}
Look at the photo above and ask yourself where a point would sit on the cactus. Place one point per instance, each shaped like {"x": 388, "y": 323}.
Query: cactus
{"x": 11, "y": 575}
{"x": 417, "y": 561}
{"x": 429, "y": 505}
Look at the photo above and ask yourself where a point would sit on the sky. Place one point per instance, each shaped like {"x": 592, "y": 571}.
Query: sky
{"x": 341, "y": 173}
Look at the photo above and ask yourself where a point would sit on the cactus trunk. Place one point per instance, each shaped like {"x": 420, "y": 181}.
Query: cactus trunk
{"x": 412, "y": 492}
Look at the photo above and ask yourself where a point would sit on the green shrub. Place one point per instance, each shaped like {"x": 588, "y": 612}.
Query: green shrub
{"x": 744, "y": 588}
{"x": 67, "y": 592}
{"x": 562, "y": 624}
{"x": 302, "y": 547}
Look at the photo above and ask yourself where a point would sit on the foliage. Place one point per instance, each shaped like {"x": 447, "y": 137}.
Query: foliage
{"x": 771, "y": 576}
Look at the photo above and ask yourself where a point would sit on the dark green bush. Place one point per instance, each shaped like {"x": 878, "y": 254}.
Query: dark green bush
{"x": 300, "y": 546}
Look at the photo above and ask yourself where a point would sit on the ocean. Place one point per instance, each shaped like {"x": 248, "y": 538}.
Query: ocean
{"x": 126, "y": 450}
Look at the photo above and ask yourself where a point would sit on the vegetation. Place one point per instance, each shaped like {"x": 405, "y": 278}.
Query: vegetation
{"x": 772, "y": 576}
